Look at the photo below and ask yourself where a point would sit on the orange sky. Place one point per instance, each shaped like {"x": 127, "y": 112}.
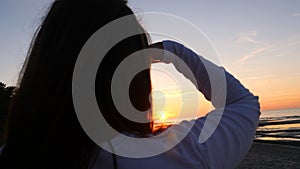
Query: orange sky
{"x": 260, "y": 47}
{"x": 172, "y": 94}
{"x": 170, "y": 87}
{"x": 276, "y": 93}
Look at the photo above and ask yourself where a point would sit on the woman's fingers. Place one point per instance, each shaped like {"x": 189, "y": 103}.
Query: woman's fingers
{"x": 156, "y": 52}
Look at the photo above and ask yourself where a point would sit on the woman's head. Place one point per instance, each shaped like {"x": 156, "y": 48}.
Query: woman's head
{"x": 43, "y": 129}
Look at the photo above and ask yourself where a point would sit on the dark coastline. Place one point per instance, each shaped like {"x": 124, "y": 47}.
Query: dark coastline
{"x": 286, "y": 143}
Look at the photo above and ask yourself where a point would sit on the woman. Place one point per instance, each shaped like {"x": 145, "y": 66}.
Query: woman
{"x": 44, "y": 132}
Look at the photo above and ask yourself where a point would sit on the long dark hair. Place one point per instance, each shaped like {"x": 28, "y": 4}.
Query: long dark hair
{"x": 43, "y": 130}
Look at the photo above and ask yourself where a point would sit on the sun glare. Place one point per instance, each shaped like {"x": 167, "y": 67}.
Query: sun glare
{"x": 163, "y": 117}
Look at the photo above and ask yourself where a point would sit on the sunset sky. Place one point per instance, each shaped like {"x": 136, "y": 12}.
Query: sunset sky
{"x": 257, "y": 41}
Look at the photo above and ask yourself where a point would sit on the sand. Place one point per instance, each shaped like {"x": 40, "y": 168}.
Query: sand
{"x": 271, "y": 156}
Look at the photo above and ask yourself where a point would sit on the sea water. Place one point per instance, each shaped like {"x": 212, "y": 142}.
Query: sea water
{"x": 279, "y": 125}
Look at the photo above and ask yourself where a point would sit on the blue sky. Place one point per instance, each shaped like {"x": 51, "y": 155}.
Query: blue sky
{"x": 258, "y": 41}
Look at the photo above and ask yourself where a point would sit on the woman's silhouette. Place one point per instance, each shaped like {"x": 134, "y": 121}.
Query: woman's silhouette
{"x": 44, "y": 132}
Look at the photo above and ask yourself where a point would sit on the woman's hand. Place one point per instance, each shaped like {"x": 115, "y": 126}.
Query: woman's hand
{"x": 156, "y": 55}
{"x": 158, "y": 45}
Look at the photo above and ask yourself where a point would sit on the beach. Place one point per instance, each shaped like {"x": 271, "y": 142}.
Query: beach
{"x": 277, "y": 141}
{"x": 271, "y": 156}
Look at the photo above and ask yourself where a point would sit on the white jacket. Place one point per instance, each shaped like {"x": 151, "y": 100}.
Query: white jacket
{"x": 228, "y": 144}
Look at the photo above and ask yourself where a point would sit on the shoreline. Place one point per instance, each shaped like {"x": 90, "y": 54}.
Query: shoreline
{"x": 279, "y": 142}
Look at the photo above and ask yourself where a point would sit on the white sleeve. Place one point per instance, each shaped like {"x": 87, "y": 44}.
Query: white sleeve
{"x": 233, "y": 137}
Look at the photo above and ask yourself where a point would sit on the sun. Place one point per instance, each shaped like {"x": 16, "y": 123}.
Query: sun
{"x": 160, "y": 117}
{"x": 163, "y": 117}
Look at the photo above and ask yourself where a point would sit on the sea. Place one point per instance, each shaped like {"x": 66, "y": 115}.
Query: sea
{"x": 275, "y": 126}
{"x": 279, "y": 126}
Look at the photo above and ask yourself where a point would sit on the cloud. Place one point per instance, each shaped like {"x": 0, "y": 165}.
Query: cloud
{"x": 296, "y": 14}
{"x": 260, "y": 77}
{"x": 247, "y": 37}
{"x": 252, "y": 54}
{"x": 293, "y": 43}
{"x": 286, "y": 93}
